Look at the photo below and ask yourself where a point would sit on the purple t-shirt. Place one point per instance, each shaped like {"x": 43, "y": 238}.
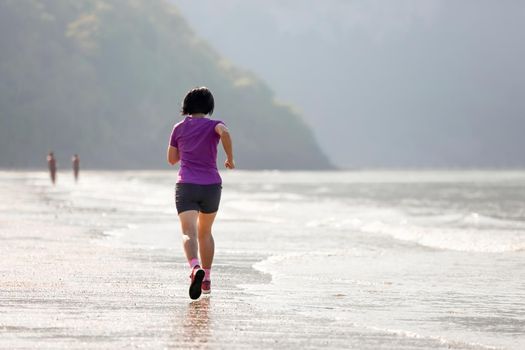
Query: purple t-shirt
{"x": 197, "y": 140}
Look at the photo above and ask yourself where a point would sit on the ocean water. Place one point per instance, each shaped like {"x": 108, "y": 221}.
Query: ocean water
{"x": 434, "y": 256}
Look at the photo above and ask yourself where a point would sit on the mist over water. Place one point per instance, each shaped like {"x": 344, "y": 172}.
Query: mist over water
{"x": 432, "y": 257}
{"x": 386, "y": 84}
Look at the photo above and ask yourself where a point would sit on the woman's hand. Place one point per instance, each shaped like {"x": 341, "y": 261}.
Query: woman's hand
{"x": 229, "y": 164}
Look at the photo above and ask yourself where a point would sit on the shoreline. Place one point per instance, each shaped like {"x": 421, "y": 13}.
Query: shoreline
{"x": 65, "y": 286}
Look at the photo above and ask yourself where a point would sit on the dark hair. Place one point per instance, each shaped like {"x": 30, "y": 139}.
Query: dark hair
{"x": 198, "y": 100}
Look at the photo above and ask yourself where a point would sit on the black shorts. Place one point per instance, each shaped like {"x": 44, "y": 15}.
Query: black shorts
{"x": 203, "y": 198}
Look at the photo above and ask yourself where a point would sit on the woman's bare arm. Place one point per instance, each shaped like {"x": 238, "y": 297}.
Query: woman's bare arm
{"x": 173, "y": 155}
{"x": 226, "y": 140}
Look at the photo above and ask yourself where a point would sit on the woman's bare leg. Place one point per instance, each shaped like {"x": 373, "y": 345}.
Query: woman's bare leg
{"x": 206, "y": 242}
{"x": 188, "y": 223}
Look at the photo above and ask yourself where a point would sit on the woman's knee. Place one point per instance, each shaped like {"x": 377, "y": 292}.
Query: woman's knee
{"x": 190, "y": 232}
{"x": 203, "y": 234}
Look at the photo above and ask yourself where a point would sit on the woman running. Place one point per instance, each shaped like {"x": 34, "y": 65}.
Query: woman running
{"x": 194, "y": 143}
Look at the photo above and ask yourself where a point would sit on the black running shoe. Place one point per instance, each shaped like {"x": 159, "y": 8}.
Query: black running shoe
{"x": 197, "y": 275}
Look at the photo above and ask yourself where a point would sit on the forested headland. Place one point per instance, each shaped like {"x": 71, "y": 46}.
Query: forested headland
{"x": 104, "y": 79}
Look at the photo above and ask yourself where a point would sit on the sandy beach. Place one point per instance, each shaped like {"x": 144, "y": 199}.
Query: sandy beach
{"x": 61, "y": 288}
{"x": 72, "y": 277}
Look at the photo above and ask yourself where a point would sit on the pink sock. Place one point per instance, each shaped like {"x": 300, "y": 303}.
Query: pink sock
{"x": 194, "y": 262}
{"x": 207, "y": 273}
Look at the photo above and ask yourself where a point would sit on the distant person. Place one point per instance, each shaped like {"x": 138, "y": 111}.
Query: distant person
{"x": 75, "y": 161}
{"x": 52, "y": 165}
{"x": 194, "y": 142}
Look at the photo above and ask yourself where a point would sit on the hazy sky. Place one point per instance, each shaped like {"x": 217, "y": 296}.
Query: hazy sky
{"x": 386, "y": 83}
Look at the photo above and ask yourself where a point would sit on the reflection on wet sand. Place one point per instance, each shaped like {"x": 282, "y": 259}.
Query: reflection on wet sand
{"x": 197, "y": 321}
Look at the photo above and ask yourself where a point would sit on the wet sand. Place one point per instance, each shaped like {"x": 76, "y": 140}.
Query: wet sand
{"x": 62, "y": 287}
